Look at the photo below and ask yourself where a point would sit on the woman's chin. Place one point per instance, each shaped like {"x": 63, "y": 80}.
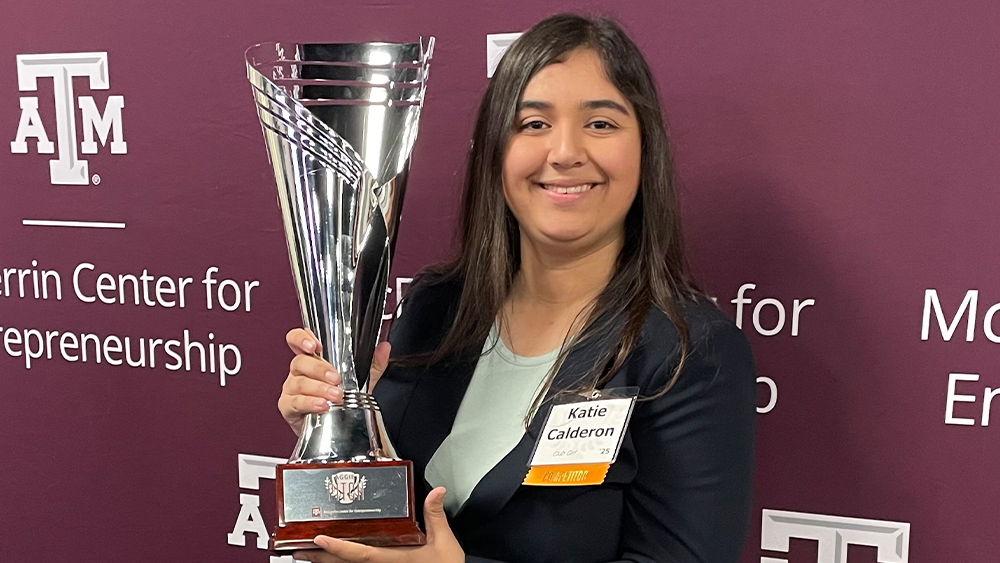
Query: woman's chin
{"x": 563, "y": 236}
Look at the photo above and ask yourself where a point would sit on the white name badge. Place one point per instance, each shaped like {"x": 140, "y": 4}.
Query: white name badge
{"x": 581, "y": 438}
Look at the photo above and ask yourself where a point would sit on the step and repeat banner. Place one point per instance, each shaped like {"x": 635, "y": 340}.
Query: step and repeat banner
{"x": 839, "y": 164}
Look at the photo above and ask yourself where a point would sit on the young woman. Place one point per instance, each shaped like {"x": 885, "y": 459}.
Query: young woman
{"x": 569, "y": 278}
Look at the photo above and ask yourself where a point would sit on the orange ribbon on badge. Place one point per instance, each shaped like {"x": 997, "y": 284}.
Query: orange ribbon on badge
{"x": 564, "y": 475}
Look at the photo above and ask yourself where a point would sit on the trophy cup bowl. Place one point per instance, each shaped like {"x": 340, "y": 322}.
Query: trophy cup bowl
{"x": 339, "y": 122}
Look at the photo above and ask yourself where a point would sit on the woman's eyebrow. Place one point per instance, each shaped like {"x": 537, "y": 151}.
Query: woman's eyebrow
{"x": 604, "y": 104}
{"x": 534, "y": 104}
{"x": 589, "y": 105}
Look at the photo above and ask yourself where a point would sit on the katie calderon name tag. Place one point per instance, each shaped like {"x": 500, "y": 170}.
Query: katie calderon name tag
{"x": 581, "y": 438}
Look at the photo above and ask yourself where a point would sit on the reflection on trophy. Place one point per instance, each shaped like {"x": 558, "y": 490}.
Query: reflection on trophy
{"x": 339, "y": 121}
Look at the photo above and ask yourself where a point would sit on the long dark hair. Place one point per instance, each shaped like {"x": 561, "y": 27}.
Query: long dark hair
{"x": 650, "y": 270}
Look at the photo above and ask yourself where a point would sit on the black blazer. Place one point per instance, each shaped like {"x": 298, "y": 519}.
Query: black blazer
{"x": 680, "y": 490}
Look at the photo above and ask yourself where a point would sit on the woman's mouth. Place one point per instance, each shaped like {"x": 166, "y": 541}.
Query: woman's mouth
{"x": 567, "y": 189}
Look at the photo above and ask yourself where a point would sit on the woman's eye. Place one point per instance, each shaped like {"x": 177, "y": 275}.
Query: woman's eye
{"x": 602, "y": 125}
{"x": 535, "y": 125}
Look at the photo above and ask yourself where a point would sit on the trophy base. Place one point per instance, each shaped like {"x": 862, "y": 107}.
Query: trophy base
{"x": 364, "y": 502}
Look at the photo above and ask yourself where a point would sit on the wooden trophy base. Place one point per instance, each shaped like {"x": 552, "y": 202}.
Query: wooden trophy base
{"x": 342, "y": 500}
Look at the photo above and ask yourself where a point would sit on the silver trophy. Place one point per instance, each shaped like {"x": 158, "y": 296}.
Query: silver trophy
{"x": 339, "y": 121}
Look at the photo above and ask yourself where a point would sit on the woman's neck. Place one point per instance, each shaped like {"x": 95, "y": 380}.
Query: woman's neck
{"x": 557, "y": 279}
{"x": 551, "y": 291}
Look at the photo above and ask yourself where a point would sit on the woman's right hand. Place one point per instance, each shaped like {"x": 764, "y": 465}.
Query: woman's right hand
{"x": 312, "y": 381}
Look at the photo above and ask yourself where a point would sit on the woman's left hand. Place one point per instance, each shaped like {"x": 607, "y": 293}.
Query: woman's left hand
{"x": 441, "y": 547}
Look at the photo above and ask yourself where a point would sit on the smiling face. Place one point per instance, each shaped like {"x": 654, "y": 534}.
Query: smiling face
{"x": 571, "y": 167}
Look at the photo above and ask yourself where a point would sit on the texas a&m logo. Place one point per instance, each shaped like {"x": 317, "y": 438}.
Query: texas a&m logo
{"x": 834, "y": 534}
{"x": 67, "y": 168}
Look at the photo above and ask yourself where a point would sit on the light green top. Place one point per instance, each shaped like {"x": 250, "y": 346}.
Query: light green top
{"x": 490, "y": 420}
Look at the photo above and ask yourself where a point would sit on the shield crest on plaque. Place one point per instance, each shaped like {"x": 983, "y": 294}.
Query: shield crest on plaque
{"x": 346, "y": 486}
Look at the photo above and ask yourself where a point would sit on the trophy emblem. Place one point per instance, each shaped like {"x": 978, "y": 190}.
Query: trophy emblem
{"x": 346, "y": 486}
{"x": 339, "y": 122}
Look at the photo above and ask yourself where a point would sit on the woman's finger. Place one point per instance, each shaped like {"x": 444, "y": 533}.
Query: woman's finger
{"x": 435, "y": 519}
{"x": 314, "y": 368}
{"x": 294, "y": 406}
{"x": 303, "y": 341}
{"x": 356, "y": 552}
{"x": 317, "y": 556}
{"x": 379, "y": 362}
{"x": 311, "y": 388}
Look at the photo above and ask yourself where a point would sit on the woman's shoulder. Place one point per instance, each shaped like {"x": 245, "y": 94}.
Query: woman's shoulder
{"x": 425, "y": 313}
{"x": 431, "y": 291}
{"x": 713, "y": 341}
{"x": 702, "y": 317}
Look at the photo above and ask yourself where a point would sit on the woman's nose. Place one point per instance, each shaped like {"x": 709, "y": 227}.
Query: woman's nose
{"x": 567, "y": 148}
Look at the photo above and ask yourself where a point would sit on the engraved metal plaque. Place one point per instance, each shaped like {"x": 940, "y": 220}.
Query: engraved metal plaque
{"x": 351, "y": 493}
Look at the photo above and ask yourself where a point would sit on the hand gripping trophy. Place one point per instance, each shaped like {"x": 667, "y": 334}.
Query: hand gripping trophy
{"x": 339, "y": 121}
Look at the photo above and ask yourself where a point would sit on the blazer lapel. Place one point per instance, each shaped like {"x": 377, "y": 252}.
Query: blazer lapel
{"x": 431, "y": 409}
{"x": 497, "y": 487}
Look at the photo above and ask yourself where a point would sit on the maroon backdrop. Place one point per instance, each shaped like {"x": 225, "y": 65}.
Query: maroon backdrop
{"x": 839, "y": 152}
